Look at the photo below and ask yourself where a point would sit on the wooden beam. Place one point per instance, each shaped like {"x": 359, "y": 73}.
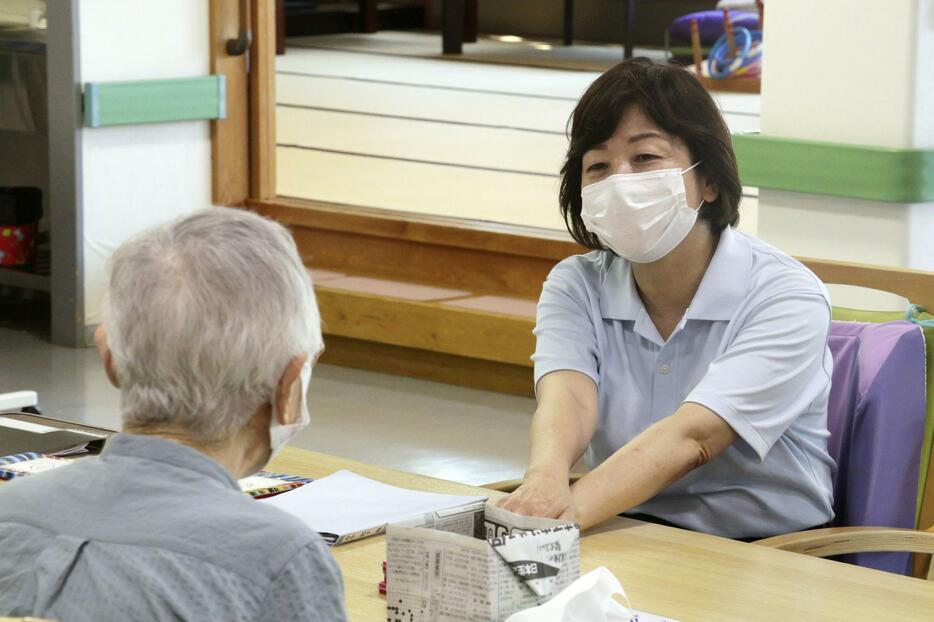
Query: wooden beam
{"x": 262, "y": 102}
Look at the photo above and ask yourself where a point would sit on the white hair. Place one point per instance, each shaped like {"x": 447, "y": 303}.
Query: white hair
{"x": 202, "y": 316}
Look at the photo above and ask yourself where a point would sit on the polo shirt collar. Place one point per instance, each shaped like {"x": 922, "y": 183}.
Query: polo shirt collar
{"x": 619, "y": 298}
{"x": 724, "y": 285}
{"x": 171, "y": 453}
{"x": 721, "y": 290}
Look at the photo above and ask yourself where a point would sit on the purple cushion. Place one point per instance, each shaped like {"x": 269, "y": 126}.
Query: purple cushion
{"x": 876, "y": 416}
{"x": 710, "y": 25}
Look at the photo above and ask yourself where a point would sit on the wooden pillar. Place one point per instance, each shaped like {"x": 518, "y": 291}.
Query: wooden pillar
{"x": 230, "y": 149}
{"x": 263, "y": 102}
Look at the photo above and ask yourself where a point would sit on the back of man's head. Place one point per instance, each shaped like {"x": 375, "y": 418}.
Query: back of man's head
{"x": 202, "y": 316}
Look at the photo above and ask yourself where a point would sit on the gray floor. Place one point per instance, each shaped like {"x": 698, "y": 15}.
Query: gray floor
{"x": 423, "y": 427}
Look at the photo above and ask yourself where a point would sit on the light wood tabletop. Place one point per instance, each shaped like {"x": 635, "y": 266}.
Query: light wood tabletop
{"x": 670, "y": 572}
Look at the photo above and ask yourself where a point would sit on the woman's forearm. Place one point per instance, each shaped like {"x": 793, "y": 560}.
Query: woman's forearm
{"x": 563, "y": 423}
{"x": 658, "y": 457}
{"x": 556, "y": 443}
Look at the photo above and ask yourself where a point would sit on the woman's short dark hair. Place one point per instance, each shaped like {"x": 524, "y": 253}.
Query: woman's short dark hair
{"x": 676, "y": 102}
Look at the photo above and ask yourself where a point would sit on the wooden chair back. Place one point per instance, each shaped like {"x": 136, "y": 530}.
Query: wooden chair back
{"x": 845, "y": 540}
{"x": 915, "y": 285}
{"x": 918, "y": 287}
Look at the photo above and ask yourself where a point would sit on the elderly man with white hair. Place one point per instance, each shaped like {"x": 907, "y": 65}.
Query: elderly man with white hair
{"x": 211, "y": 331}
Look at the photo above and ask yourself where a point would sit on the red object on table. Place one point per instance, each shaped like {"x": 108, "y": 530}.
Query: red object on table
{"x": 18, "y": 244}
{"x": 382, "y": 584}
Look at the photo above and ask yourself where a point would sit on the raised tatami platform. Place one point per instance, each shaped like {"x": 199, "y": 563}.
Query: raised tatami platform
{"x": 384, "y": 121}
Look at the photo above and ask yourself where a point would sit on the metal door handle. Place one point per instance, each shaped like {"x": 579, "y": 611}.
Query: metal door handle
{"x": 236, "y": 47}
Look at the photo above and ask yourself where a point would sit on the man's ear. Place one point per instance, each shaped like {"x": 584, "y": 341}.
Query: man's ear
{"x": 288, "y": 391}
{"x": 103, "y": 350}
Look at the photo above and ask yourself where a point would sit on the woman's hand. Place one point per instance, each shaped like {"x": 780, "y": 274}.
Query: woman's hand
{"x": 562, "y": 426}
{"x": 542, "y": 494}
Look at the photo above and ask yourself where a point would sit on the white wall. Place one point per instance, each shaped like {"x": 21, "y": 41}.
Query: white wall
{"x": 828, "y": 64}
{"x": 924, "y": 77}
{"x": 137, "y": 176}
{"x": 855, "y": 72}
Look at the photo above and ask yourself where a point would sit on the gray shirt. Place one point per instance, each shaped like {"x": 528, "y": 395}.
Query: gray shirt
{"x": 154, "y": 530}
{"x": 751, "y": 347}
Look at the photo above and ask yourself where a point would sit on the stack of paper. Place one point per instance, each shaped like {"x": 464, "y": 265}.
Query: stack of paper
{"x": 346, "y": 506}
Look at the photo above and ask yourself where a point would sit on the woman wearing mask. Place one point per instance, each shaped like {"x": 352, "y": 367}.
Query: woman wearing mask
{"x": 689, "y": 360}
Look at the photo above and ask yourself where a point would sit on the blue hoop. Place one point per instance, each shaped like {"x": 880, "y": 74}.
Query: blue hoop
{"x": 718, "y": 63}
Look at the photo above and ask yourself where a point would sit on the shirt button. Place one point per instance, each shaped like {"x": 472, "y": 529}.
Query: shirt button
{"x": 664, "y": 368}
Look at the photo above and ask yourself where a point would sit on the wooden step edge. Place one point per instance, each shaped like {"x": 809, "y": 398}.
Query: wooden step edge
{"x": 427, "y": 365}
{"x": 425, "y": 326}
{"x": 423, "y": 228}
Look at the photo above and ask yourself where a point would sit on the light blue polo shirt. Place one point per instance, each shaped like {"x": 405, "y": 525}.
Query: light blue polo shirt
{"x": 752, "y": 347}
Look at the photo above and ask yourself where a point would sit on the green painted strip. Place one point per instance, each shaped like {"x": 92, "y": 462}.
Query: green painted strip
{"x": 154, "y": 101}
{"x": 851, "y": 171}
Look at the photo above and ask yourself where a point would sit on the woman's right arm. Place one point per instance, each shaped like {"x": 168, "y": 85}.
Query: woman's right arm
{"x": 562, "y": 427}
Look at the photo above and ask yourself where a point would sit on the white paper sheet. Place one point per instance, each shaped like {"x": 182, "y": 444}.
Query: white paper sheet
{"x": 346, "y": 503}
{"x": 255, "y": 482}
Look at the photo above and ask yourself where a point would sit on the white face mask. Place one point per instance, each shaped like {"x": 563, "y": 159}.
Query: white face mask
{"x": 280, "y": 434}
{"x": 641, "y": 216}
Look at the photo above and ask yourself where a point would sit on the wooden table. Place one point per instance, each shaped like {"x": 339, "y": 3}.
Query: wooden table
{"x": 672, "y": 572}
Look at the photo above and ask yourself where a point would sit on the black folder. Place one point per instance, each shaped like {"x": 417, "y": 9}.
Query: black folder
{"x": 14, "y": 441}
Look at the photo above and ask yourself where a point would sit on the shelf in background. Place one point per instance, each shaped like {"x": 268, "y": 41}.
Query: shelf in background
{"x": 36, "y": 276}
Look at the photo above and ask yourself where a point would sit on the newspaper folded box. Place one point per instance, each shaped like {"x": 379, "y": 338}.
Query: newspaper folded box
{"x": 509, "y": 563}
